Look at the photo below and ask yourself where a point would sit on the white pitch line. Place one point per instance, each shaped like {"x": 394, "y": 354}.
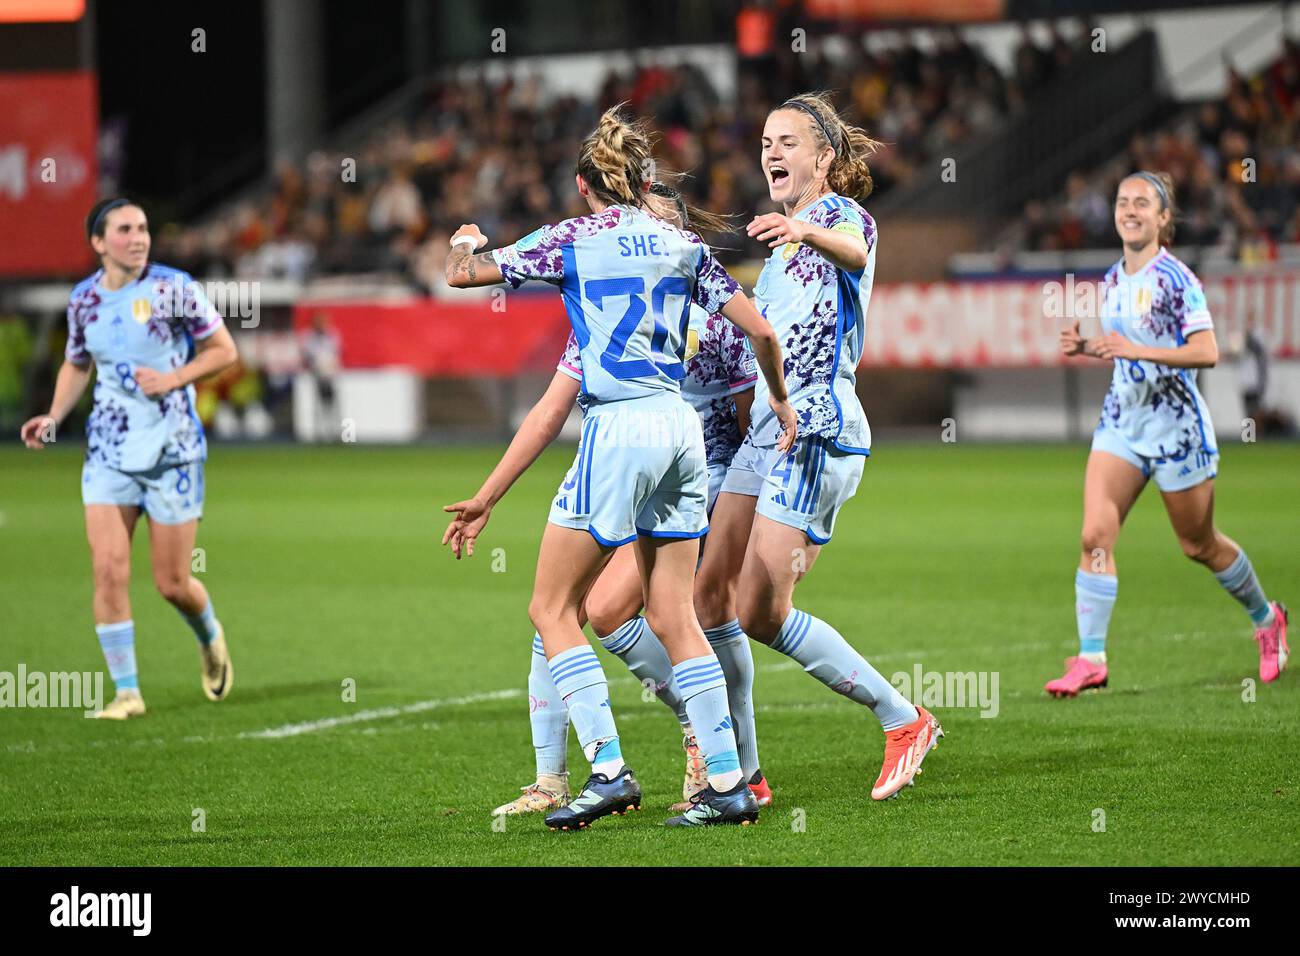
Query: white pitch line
{"x": 378, "y": 713}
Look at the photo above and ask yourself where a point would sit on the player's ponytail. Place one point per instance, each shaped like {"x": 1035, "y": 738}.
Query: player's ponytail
{"x": 849, "y": 174}
{"x": 1167, "y": 230}
{"x": 616, "y": 161}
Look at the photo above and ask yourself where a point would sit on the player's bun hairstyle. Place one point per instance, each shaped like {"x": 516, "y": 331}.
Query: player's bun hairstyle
{"x": 97, "y": 218}
{"x": 1163, "y": 184}
{"x": 849, "y": 174}
{"x": 616, "y": 161}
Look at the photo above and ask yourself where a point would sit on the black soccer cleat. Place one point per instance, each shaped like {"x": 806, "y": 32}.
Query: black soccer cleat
{"x": 711, "y": 808}
{"x": 598, "y": 798}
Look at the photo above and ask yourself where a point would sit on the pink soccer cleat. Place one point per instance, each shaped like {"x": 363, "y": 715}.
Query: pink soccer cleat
{"x": 1080, "y": 674}
{"x": 1273, "y": 651}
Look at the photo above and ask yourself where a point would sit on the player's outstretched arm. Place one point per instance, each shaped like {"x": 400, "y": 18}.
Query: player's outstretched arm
{"x": 540, "y": 427}
{"x": 465, "y": 270}
{"x": 68, "y": 389}
{"x": 767, "y": 351}
{"x": 844, "y": 247}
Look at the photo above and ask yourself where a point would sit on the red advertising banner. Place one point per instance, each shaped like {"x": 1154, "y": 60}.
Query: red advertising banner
{"x": 1016, "y": 324}
{"x": 921, "y": 10}
{"x": 527, "y": 332}
{"x": 49, "y": 128}
{"x": 933, "y": 325}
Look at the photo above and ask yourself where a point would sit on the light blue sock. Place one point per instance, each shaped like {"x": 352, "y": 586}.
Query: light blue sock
{"x": 737, "y": 659}
{"x": 118, "y": 643}
{"x": 1094, "y": 599}
{"x": 704, "y": 691}
{"x": 827, "y": 656}
{"x": 547, "y": 715}
{"x": 1239, "y": 580}
{"x": 581, "y": 682}
{"x": 204, "y": 624}
{"x": 638, "y": 647}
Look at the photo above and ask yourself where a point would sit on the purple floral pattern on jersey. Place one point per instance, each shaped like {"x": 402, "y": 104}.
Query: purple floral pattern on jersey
{"x": 1155, "y": 407}
{"x": 540, "y": 254}
{"x": 722, "y": 366}
{"x": 106, "y": 429}
{"x": 185, "y": 440}
{"x": 810, "y": 343}
{"x": 82, "y": 310}
{"x": 127, "y": 429}
{"x": 714, "y": 288}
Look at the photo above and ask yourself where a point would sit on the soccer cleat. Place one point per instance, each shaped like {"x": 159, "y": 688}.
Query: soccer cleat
{"x": 127, "y": 703}
{"x": 759, "y": 788}
{"x": 710, "y": 808}
{"x": 1273, "y": 650}
{"x": 905, "y": 748}
{"x": 550, "y": 792}
{"x": 697, "y": 773}
{"x": 217, "y": 673}
{"x": 1080, "y": 674}
{"x": 600, "y": 796}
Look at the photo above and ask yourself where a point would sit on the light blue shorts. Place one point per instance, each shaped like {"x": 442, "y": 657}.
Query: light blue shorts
{"x": 169, "y": 494}
{"x": 717, "y": 474}
{"x": 804, "y": 488}
{"x": 1171, "y": 474}
{"x": 640, "y": 469}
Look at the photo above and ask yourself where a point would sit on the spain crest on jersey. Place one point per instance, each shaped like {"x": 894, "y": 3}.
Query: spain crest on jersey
{"x": 790, "y": 250}
{"x": 692, "y": 345}
{"x": 141, "y": 310}
{"x": 1142, "y": 300}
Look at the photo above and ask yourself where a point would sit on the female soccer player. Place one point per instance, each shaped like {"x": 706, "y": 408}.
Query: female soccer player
{"x": 151, "y": 333}
{"x": 1154, "y": 422}
{"x": 779, "y": 504}
{"x": 628, "y": 279}
{"x": 719, "y": 384}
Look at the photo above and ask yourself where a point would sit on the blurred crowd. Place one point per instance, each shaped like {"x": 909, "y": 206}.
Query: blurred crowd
{"x": 1235, "y": 162}
{"x": 502, "y": 154}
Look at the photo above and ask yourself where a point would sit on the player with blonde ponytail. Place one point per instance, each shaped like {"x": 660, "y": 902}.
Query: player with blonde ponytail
{"x": 628, "y": 280}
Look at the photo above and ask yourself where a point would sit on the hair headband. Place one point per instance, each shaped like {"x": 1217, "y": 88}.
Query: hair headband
{"x": 799, "y": 105}
{"x": 1154, "y": 180}
{"x": 109, "y": 207}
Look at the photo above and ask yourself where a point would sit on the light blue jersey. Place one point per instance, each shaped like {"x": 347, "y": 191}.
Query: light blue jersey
{"x": 1155, "y": 410}
{"x": 150, "y": 323}
{"x": 628, "y": 280}
{"x": 819, "y": 314}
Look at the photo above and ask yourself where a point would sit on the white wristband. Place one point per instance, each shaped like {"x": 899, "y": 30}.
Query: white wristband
{"x": 467, "y": 240}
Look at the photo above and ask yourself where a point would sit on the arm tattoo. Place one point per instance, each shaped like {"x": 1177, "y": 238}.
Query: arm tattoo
{"x": 456, "y": 259}
{"x": 460, "y": 260}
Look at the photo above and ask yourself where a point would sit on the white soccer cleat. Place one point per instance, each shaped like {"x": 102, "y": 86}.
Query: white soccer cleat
{"x": 127, "y": 703}
{"x": 550, "y": 792}
{"x": 217, "y": 672}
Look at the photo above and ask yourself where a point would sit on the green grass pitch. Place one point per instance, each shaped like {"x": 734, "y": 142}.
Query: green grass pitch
{"x": 325, "y": 565}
